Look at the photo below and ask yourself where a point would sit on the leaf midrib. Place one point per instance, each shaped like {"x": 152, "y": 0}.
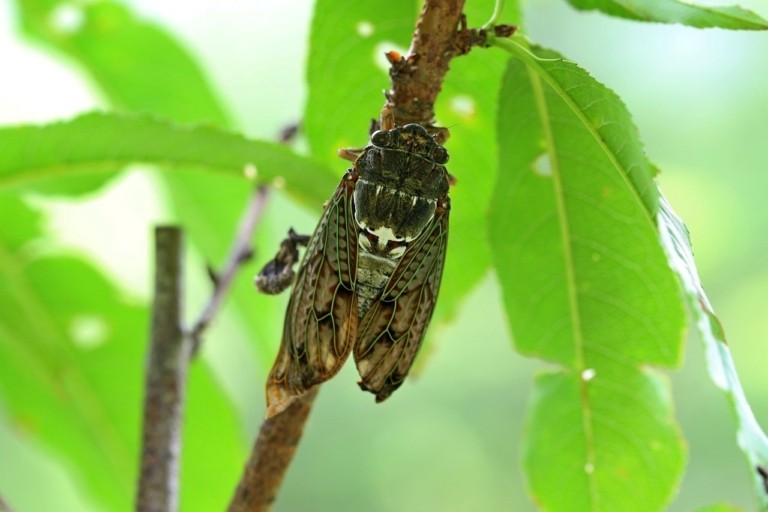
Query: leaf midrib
{"x": 570, "y": 271}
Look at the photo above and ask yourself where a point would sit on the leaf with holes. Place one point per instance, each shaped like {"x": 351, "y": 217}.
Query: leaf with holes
{"x": 586, "y": 285}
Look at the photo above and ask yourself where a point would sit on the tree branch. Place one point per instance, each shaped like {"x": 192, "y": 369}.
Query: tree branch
{"x": 418, "y": 77}
{"x": 272, "y": 453}
{"x": 166, "y": 380}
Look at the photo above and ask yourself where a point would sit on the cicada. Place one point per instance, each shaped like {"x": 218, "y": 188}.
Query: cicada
{"x": 370, "y": 276}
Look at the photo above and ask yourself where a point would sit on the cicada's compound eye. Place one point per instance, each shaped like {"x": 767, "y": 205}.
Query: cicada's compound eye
{"x": 381, "y": 138}
{"x": 440, "y": 155}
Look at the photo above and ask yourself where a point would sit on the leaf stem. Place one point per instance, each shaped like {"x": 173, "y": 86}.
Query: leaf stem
{"x": 498, "y": 8}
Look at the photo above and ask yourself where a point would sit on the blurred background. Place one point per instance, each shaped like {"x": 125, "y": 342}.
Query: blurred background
{"x": 449, "y": 441}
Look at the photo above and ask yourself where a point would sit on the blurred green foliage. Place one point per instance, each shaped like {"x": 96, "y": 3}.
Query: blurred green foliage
{"x": 72, "y": 342}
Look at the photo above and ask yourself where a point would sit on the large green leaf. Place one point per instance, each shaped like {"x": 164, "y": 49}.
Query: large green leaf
{"x": 586, "y": 285}
{"x": 751, "y": 438}
{"x": 677, "y": 11}
{"x": 72, "y": 350}
{"x": 98, "y": 142}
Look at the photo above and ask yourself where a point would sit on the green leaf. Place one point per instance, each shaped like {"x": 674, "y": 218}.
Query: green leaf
{"x": 71, "y": 369}
{"x": 751, "y": 438}
{"x": 136, "y": 63}
{"x": 586, "y": 285}
{"x": 608, "y": 443}
{"x": 347, "y": 70}
{"x": 677, "y": 11}
{"x": 99, "y": 142}
{"x": 138, "y": 66}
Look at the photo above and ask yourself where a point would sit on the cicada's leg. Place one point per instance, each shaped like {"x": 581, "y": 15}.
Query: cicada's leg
{"x": 350, "y": 154}
{"x": 440, "y": 134}
{"x": 278, "y": 274}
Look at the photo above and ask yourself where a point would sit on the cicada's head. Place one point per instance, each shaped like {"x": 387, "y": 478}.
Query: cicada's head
{"x": 401, "y": 177}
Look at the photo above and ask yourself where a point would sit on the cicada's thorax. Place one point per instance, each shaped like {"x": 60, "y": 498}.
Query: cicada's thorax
{"x": 401, "y": 176}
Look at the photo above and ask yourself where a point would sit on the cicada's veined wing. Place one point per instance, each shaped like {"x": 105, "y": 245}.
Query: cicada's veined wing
{"x": 393, "y": 328}
{"x": 321, "y": 320}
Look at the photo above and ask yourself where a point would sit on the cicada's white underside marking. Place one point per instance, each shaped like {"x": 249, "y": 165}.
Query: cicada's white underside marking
{"x": 380, "y": 254}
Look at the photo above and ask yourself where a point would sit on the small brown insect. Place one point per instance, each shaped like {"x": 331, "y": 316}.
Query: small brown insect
{"x": 370, "y": 277}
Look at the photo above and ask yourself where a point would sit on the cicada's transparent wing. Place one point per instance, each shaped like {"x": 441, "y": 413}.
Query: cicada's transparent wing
{"x": 321, "y": 320}
{"x": 393, "y": 328}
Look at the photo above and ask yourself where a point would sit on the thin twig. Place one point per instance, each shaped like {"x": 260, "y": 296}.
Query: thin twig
{"x": 272, "y": 453}
{"x": 414, "y": 91}
{"x": 166, "y": 380}
{"x": 240, "y": 252}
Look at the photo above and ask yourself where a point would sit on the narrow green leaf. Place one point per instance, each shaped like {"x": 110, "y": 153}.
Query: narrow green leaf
{"x": 586, "y": 285}
{"x": 71, "y": 368}
{"x": 751, "y": 438}
{"x": 99, "y": 142}
{"x": 677, "y": 11}
{"x": 114, "y": 46}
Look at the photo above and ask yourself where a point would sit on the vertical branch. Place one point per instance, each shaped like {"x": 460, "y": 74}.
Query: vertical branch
{"x": 418, "y": 78}
{"x": 166, "y": 380}
{"x": 273, "y": 451}
{"x": 171, "y": 348}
